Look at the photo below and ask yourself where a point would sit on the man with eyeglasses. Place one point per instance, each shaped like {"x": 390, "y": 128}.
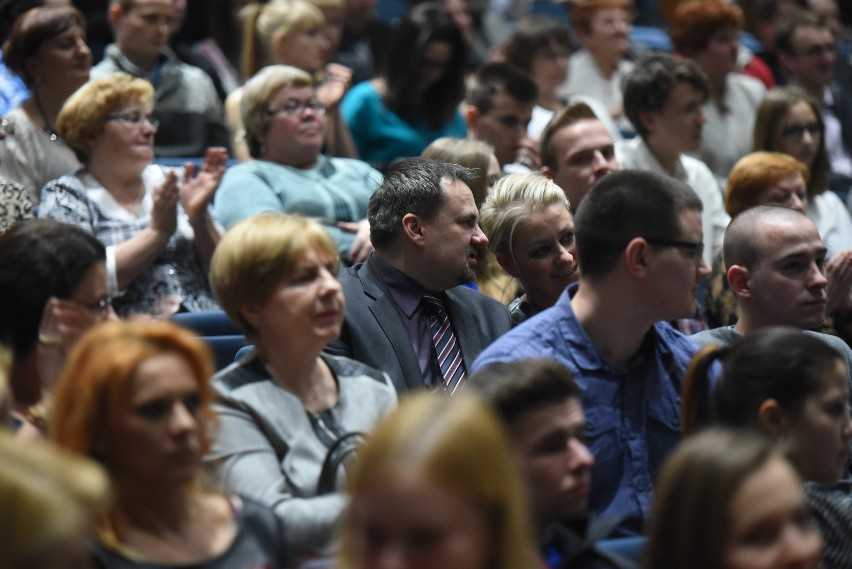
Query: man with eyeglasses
{"x": 185, "y": 100}
{"x": 639, "y": 244}
{"x": 776, "y": 270}
{"x": 807, "y": 51}
{"x": 498, "y": 109}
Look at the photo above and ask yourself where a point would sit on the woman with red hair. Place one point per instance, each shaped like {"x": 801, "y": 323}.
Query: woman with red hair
{"x": 136, "y": 396}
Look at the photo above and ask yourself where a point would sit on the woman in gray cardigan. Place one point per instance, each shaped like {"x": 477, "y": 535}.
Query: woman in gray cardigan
{"x": 285, "y": 408}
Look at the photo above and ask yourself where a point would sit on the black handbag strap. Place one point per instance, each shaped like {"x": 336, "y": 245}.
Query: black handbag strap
{"x": 338, "y": 454}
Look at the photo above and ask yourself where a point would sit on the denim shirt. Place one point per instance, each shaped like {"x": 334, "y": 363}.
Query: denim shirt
{"x": 632, "y": 417}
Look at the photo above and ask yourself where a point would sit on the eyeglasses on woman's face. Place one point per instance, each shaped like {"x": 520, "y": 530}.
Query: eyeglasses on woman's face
{"x": 134, "y": 118}
{"x": 293, "y": 108}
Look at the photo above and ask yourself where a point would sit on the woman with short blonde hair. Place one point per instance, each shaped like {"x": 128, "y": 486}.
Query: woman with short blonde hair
{"x": 530, "y": 230}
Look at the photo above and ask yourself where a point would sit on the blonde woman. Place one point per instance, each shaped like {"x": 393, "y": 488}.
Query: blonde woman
{"x": 437, "y": 485}
{"x": 530, "y": 230}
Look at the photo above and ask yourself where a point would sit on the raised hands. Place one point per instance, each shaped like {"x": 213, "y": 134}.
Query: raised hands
{"x": 338, "y": 79}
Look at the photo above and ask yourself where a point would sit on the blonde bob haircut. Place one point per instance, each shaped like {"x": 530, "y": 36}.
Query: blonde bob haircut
{"x": 256, "y": 254}
{"x": 514, "y": 199}
{"x": 468, "y": 153}
{"x": 266, "y": 24}
{"x": 691, "y": 513}
{"x": 98, "y": 377}
{"x": 755, "y": 173}
{"x": 84, "y": 113}
{"x": 254, "y": 105}
{"x": 457, "y": 443}
{"x": 49, "y": 496}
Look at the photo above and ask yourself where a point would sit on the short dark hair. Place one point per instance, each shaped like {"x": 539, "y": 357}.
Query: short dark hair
{"x": 776, "y": 362}
{"x": 533, "y": 35}
{"x": 573, "y": 113}
{"x": 786, "y": 31}
{"x": 515, "y": 388}
{"x": 39, "y": 259}
{"x": 624, "y": 205}
{"x": 32, "y": 29}
{"x": 495, "y": 77}
{"x": 413, "y": 186}
{"x": 648, "y": 87}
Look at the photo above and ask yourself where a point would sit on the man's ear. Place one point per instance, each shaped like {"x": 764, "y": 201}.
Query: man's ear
{"x": 784, "y": 59}
{"x": 648, "y": 120}
{"x": 413, "y": 228}
{"x": 471, "y": 117}
{"x": 771, "y": 418}
{"x": 507, "y": 265}
{"x": 548, "y": 172}
{"x": 636, "y": 257}
{"x": 738, "y": 279}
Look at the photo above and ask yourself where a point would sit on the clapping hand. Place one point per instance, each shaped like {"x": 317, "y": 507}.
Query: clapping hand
{"x": 197, "y": 191}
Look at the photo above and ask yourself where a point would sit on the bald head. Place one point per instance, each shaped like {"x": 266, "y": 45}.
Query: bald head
{"x": 744, "y": 239}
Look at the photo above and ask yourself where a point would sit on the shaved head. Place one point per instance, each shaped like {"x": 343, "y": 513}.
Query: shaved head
{"x": 745, "y": 234}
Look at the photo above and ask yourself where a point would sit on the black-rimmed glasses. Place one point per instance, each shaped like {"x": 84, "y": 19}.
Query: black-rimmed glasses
{"x": 692, "y": 249}
{"x": 134, "y": 118}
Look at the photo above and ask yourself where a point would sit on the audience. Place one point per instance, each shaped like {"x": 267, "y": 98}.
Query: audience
{"x": 794, "y": 389}
{"x": 406, "y": 311}
{"x": 414, "y": 99}
{"x": 284, "y": 127}
{"x": 53, "y": 287}
{"x": 663, "y": 96}
{"x": 707, "y": 32}
{"x": 437, "y": 485}
{"x": 576, "y": 151}
{"x": 47, "y": 49}
{"x": 530, "y": 230}
{"x": 288, "y": 416}
{"x": 498, "y": 109}
{"x": 639, "y": 247}
{"x": 271, "y": 463}
{"x": 718, "y": 491}
{"x": 185, "y": 100}
{"x": 157, "y": 230}
{"x": 137, "y": 398}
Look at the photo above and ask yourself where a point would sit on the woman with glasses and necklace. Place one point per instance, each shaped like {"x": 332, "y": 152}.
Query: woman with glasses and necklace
{"x": 284, "y": 130}
{"x": 47, "y": 49}
{"x": 153, "y": 221}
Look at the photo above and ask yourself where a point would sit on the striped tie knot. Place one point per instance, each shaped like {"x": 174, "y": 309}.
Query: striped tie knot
{"x": 447, "y": 350}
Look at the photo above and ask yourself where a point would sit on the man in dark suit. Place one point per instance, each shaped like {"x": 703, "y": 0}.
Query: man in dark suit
{"x": 407, "y": 312}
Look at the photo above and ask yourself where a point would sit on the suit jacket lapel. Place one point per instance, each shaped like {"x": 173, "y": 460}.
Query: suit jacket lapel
{"x": 387, "y": 315}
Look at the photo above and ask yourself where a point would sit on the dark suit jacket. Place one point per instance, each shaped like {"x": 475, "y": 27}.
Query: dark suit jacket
{"x": 373, "y": 331}
{"x": 843, "y": 110}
